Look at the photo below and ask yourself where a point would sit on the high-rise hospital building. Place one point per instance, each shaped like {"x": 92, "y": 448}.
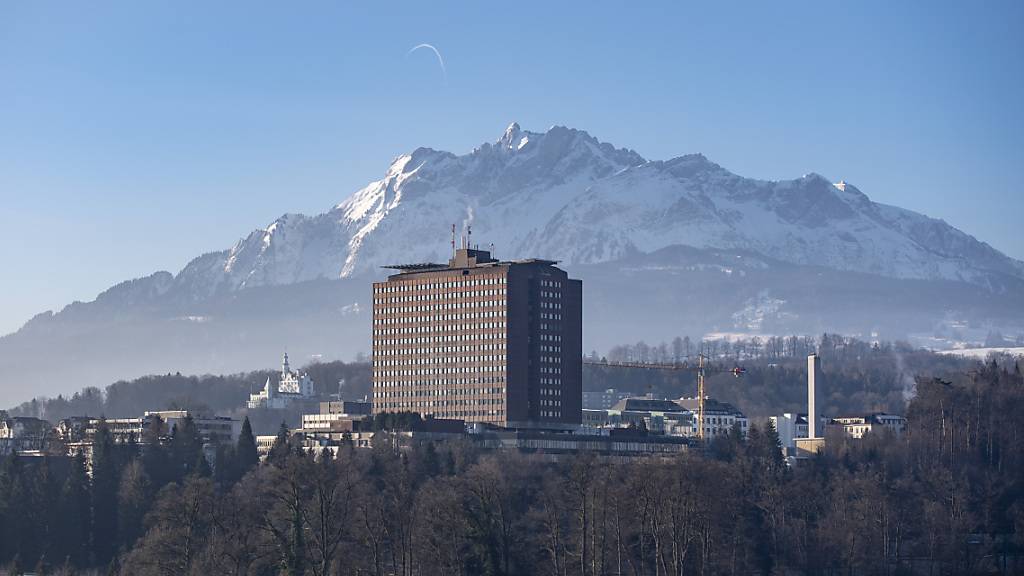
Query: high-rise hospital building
{"x": 480, "y": 340}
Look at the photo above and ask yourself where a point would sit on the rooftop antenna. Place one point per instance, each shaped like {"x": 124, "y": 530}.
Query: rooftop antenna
{"x": 492, "y": 248}
{"x": 453, "y": 240}
{"x": 469, "y": 235}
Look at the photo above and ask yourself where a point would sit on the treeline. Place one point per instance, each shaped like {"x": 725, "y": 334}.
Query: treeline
{"x": 859, "y": 377}
{"x": 204, "y": 394}
{"x": 58, "y": 518}
{"x": 947, "y": 497}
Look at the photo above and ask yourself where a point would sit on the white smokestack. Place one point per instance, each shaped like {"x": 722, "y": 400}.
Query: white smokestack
{"x": 813, "y": 369}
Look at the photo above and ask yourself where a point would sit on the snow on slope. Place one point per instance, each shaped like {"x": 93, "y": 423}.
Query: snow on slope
{"x": 562, "y": 194}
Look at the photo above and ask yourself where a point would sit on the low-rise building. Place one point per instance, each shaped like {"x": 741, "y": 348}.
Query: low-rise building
{"x": 23, "y": 433}
{"x": 857, "y": 426}
{"x": 212, "y": 429}
{"x": 789, "y": 427}
{"x": 657, "y": 416}
{"x": 719, "y": 417}
{"x": 666, "y": 417}
{"x": 336, "y": 415}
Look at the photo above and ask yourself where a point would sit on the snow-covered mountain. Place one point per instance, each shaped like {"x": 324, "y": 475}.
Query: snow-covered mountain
{"x": 565, "y": 195}
{"x": 665, "y": 248}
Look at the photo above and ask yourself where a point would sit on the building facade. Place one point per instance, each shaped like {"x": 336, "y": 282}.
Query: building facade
{"x": 605, "y": 399}
{"x": 336, "y": 416}
{"x": 23, "y": 433}
{"x": 654, "y": 415}
{"x": 857, "y": 426}
{"x": 213, "y": 429}
{"x": 480, "y": 340}
{"x": 719, "y": 417}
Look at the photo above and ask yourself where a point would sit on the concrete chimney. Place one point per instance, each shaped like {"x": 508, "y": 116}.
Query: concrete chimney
{"x": 813, "y": 371}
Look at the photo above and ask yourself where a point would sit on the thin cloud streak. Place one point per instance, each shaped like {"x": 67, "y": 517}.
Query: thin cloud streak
{"x": 440, "y": 60}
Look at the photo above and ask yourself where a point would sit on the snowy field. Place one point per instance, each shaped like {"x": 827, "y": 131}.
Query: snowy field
{"x": 982, "y": 353}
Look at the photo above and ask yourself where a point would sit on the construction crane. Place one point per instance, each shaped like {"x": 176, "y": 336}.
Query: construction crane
{"x": 701, "y": 368}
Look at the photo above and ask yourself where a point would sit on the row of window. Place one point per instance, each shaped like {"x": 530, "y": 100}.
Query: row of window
{"x": 438, "y": 350}
{"x": 403, "y": 360}
{"x": 546, "y": 294}
{"x": 379, "y": 382}
{"x": 461, "y": 414}
{"x": 441, "y": 389}
{"x": 448, "y": 327}
{"x": 386, "y": 371}
{"x": 439, "y": 403}
{"x": 435, "y": 318}
{"x": 385, "y": 332}
{"x": 455, "y": 282}
{"x": 392, "y": 309}
{"x": 550, "y": 316}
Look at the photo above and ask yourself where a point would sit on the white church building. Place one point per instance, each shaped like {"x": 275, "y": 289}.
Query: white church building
{"x": 291, "y": 387}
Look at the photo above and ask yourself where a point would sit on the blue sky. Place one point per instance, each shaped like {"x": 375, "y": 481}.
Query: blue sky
{"x": 137, "y": 135}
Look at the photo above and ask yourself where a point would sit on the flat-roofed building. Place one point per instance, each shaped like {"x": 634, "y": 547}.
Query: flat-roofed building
{"x": 719, "y": 417}
{"x": 789, "y": 426}
{"x": 480, "y": 340}
{"x": 336, "y": 416}
{"x": 658, "y": 416}
{"x": 857, "y": 426}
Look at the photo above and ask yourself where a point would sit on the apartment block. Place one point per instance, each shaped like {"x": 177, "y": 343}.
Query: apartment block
{"x": 480, "y": 340}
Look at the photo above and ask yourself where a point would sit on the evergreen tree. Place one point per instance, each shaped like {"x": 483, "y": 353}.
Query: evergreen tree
{"x": 133, "y": 502}
{"x": 46, "y": 512}
{"x": 76, "y": 517}
{"x": 155, "y": 458}
{"x": 12, "y": 507}
{"x": 295, "y": 561}
{"x": 186, "y": 447}
{"x": 106, "y": 477}
{"x": 278, "y": 454}
{"x": 225, "y": 468}
{"x": 247, "y": 456}
{"x": 201, "y": 468}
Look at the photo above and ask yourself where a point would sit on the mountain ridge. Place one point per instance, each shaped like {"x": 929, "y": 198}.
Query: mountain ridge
{"x": 586, "y": 185}
{"x": 531, "y": 192}
{"x": 665, "y": 247}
